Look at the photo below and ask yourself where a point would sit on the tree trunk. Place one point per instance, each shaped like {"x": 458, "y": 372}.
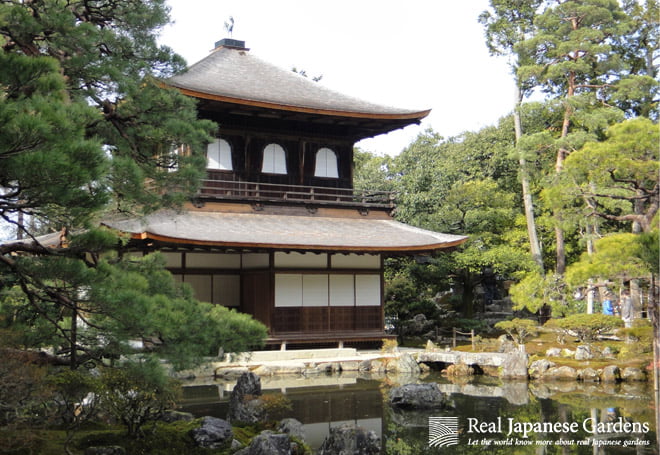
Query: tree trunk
{"x": 468, "y": 295}
{"x": 559, "y": 166}
{"x": 535, "y": 246}
{"x": 74, "y": 338}
{"x": 20, "y": 225}
{"x": 561, "y": 249}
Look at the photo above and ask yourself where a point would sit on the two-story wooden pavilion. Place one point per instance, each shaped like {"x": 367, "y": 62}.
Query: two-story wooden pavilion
{"x": 277, "y": 231}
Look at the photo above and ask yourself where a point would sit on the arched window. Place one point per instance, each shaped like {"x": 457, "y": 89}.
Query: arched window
{"x": 274, "y": 160}
{"x": 218, "y": 155}
{"x": 326, "y": 163}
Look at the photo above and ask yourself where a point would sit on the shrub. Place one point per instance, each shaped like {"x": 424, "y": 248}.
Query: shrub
{"x": 23, "y": 391}
{"x": 639, "y": 338}
{"x": 585, "y": 326}
{"x": 138, "y": 393}
{"x": 75, "y": 400}
{"x": 389, "y": 345}
{"x": 518, "y": 329}
{"x": 275, "y": 404}
{"x": 465, "y": 325}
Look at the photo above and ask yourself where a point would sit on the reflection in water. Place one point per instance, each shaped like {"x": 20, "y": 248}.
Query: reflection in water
{"x": 326, "y": 401}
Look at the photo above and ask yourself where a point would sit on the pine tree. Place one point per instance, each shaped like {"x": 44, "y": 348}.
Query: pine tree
{"x": 88, "y": 129}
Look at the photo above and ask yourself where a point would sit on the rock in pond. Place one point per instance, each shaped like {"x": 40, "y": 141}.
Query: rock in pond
{"x": 588, "y": 375}
{"x": 563, "y": 373}
{"x": 244, "y": 403}
{"x": 213, "y": 433}
{"x": 459, "y": 369}
{"x": 633, "y": 374}
{"x": 268, "y": 443}
{"x": 350, "y": 439}
{"x": 610, "y": 373}
{"x": 292, "y": 427}
{"x": 406, "y": 364}
{"x": 539, "y": 367}
{"x": 418, "y": 396}
{"x": 515, "y": 366}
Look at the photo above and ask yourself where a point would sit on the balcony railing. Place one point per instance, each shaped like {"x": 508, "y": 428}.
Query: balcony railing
{"x": 273, "y": 192}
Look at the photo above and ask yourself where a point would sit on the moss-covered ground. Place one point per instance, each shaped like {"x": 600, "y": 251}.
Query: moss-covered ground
{"x": 158, "y": 439}
{"x": 626, "y": 353}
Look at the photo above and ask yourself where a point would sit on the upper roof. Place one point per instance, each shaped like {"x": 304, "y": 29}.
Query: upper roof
{"x": 284, "y": 232}
{"x": 232, "y": 75}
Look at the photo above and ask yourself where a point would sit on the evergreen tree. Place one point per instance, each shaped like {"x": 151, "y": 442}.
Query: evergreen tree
{"x": 570, "y": 58}
{"x": 618, "y": 178}
{"x": 87, "y": 129}
{"x": 465, "y": 185}
{"x": 507, "y": 24}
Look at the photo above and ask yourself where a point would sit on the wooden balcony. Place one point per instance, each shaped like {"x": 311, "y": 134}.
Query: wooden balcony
{"x": 239, "y": 190}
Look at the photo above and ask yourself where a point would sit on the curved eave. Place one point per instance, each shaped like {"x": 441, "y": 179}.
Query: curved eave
{"x": 412, "y": 116}
{"x": 277, "y": 246}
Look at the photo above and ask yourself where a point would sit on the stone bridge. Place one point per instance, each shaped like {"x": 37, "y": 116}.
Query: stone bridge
{"x": 511, "y": 364}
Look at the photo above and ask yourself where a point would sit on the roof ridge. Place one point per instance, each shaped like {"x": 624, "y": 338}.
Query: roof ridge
{"x": 238, "y": 76}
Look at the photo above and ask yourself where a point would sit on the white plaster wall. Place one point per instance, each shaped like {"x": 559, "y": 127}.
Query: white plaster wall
{"x": 355, "y": 261}
{"x": 301, "y": 260}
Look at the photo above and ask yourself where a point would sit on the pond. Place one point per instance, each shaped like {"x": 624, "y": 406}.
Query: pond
{"x": 492, "y": 416}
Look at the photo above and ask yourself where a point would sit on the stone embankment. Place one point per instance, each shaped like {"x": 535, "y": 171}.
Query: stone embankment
{"x": 513, "y": 364}
{"x": 306, "y": 363}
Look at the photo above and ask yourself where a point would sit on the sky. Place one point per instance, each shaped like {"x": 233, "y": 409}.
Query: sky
{"x": 418, "y": 54}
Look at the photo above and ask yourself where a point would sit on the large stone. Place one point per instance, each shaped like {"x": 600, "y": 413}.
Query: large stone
{"x": 584, "y": 352}
{"x": 588, "y": 375}
{"x": 560, "y": 374}
{"x": 350, "y": 439}
{"x": 515, "y": 366}
{"x": 553, "y": 352}
{"x": 268, "y": 443}
{"x": 418, "y": 396}
{"x": 633, "y": 374}
{"x": 213, "y": 433}
{"x": 610, "y": 373}
{"x": 459, "y": 369}
{"x": 539, "y": 367}
{"x": 244, "y": 403}
{"x": 292, "y": 427}
{"x": 406, "y": 364}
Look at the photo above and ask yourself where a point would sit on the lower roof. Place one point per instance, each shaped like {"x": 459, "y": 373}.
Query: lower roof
{"x": 284, "y": 232}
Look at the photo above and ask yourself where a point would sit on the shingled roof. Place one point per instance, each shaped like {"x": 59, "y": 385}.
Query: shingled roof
{"x": 233, "y": 75}
{"x": 284, "y": 232}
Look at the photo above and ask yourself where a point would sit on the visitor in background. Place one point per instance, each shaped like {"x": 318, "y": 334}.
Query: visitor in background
{"x": 608, "y": 308}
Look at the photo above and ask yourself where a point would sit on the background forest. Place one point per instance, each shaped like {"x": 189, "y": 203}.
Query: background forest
{"x": 559, "y": 199}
